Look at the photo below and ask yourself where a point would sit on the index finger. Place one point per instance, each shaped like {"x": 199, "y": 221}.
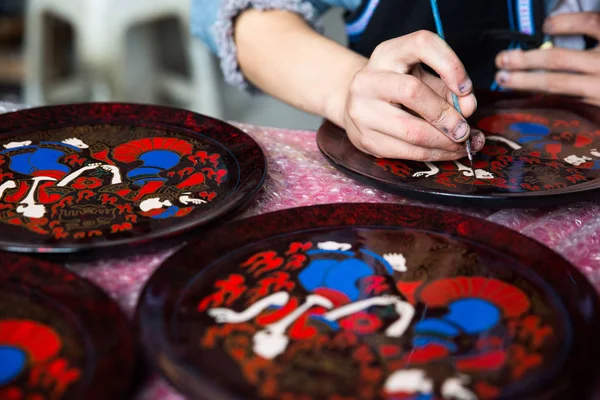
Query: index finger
{"x": 403, "y": 53}
{"x": 583, "y": 23}
{"x": 468, "y": 104}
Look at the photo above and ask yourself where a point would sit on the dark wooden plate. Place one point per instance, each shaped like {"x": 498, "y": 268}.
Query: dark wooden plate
{"x": 540, "y": 151}
{"x": 61, "y": 337}
{"x": 89, "y": 176}
{"x": 367, "y": 301}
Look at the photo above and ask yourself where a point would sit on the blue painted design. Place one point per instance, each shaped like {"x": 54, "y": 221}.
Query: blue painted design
{"x": 435, "y": 325}
{"x": 164, "y": 159}
{"x": 168, "y": 213}
{"x": 155, "y": 162}
{"x": 533, "y": 133}
{"x": 41, "y": 159}
{"x": 469, "y": 316}
{"x": 420, "y": 396}
{"x": 143, "y": 181}
{"x": 530, "y": 128}
{"x": 423, "y": 341}
{"x": 424, "y": 396}
{"x": 313, "y": 275}
{"x": 339, "y": 275}
{"x": 28, "y": 160}
{"x": 12, "y": 362}
{"x": 473, "y": 316}
{"x": 143, "y": 171}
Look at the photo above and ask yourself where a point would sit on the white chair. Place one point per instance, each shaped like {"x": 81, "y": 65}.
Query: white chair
{"x": 115, "y": 62}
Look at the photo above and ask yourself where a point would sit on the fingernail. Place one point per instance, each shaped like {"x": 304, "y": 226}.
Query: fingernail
{"x": 462, "y": 129}
{"x": 475, "y": 100}
{"x": 547, "y": 26}
{"x": 466, "y": 86}
{"x": 502, "y": 77}
{"x": 477, "y": 140}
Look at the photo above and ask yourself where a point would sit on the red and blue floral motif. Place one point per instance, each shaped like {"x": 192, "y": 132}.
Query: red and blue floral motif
{"x": 81, "y": 188}
{"x": 452, "y": 334}
{"x": 525, "y": 151}
{"x": 554, "y": 139}
{"x": 32, "y": 350}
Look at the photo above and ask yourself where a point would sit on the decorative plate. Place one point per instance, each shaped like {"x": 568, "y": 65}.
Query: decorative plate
{"x": 87, "y": 176}
{"x": 61, "y": 337}
{"x": 367, "y": 301}
{"x": 540, "y": 150}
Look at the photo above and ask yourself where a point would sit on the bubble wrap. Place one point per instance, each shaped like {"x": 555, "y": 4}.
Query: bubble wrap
{"x": 300, "y": 176}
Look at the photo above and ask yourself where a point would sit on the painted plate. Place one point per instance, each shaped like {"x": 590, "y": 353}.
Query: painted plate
{"x": 366, "y": 301}
{"x": 87, "y": 176}
{"x": 544, "y": 150}
{"x": 61, "y": 337}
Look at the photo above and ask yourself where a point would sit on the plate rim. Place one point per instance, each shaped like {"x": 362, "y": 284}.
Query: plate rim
{"x": 551, "y": 197}
{"x": 177, "y": 229}
{"x": 116, "y": 320}
{"x": 156, "y": 279}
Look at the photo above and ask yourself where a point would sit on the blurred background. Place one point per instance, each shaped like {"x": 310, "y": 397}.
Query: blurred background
{"x": 67, "y": 51}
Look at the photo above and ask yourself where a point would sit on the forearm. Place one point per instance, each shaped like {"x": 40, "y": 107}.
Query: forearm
{"x": 280, "y": 54}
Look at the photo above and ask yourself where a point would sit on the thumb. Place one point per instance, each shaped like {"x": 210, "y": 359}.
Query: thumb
{"x": 584, "y": 23}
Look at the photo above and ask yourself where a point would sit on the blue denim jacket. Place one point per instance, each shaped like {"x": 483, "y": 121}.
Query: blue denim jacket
{"x": 204, "y": 14}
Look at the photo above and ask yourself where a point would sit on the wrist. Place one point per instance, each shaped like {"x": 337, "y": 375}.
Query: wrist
{"x": 334, "y": 108}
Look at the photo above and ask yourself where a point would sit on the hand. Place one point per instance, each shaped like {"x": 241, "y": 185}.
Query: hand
{"x": 394, "y": 109}
{"x": 566, "y": 72}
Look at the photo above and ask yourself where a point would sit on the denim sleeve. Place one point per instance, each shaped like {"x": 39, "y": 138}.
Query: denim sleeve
{"x": 212, "y": 22}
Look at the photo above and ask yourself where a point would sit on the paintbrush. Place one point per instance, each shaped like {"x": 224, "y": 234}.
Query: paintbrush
{"x": 440, "y": 32}
{"x": 468, "y": 141}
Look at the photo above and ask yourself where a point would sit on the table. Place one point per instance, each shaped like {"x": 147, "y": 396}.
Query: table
{"x": 300, "y": 176}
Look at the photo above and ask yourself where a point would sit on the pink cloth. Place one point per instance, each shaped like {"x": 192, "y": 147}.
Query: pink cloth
{"x": 300, "y": 176}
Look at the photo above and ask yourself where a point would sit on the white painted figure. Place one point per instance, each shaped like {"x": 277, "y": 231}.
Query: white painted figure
{"x": 272, "y": 340}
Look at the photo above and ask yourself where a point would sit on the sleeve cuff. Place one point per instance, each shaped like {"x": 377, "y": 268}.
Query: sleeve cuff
{"x": 223, "y": 33}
